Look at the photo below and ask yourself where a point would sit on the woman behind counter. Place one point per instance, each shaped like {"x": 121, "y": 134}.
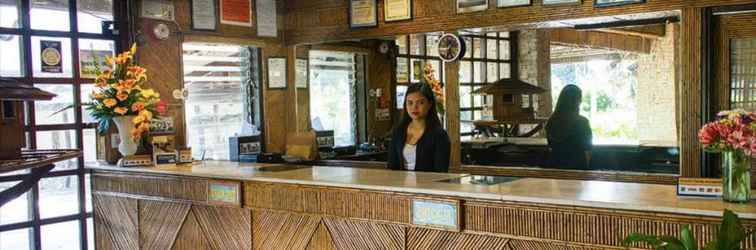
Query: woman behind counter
{"x": 568, "y": 133}
{"x": 418, "y": 141}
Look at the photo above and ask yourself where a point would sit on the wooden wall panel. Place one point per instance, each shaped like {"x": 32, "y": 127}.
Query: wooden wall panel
{"x": 172, "y": 187}
{"x": 281, "y": 230}
{"x": 191, "y": 236}
{"x": 116, "y": 220}
{"x": 225, "y": 227}
{"x": 321, "y": 240}
{"x": 689, "y": 113}
{"x": 159, "y": 223}
{"x": 516, "y": 244}
{"x": 421, "y": 238}
{"x": 596, "y": 39}
{"x": 353, "y": 234}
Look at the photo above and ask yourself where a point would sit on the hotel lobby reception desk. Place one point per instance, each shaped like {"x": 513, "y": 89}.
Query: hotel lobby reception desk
{"x": 229, "y": 205}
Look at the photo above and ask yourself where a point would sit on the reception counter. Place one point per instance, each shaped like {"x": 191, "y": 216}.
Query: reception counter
{"x": 229, "y": 205}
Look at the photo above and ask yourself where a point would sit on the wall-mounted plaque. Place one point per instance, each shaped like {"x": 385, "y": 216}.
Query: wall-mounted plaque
{"x": 236, "y": 12}
{"x": 397, "y": 10}
{"x": 464, "y": 6}
{"x": 204, "y": 15}
{"x": 512, "y": 3}
{"x": 267, "y": 25}
{"x": 607, "y": 3}
{"x": 52, "y": 58}
{"x": 302, "y": 73}
{"x": 363, "y": 13}
{"x": 277, "y": 72}
{"x": 224, "y": 193}
{"x": 158, "y": 9}
{"x": 440, "y": 214}
{"x": 560, "y": 2}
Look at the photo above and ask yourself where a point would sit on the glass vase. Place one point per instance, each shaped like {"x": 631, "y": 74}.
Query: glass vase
{"x": 736, "y": 176}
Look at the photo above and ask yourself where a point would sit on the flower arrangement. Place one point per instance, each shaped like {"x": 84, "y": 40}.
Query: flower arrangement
{"x": 435, "y": 85}
{"x": 734, "y": 130}
{"x": 120, "y": 91}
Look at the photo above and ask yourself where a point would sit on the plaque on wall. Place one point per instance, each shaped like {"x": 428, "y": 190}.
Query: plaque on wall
{"x": 560, "y": 2}
{"x": 276, "y": 72}
{"x": 608, "y": 3}
{"x": 439, "y": 214}
{"x": 224, "y": 193}
{"x": 52, "y": 59}
{"x": 464, "y": 6}
{"x": 512, "y": 3}
{"x": 266, "y": 18}
{"x": 236, "y": 12}
{"x": 302, "y": 73}
{"x": 397, "y": 10}
{"x": 158, "y": 9}
{"x": 204, "y": 15}
{"x": 363, "y": 13}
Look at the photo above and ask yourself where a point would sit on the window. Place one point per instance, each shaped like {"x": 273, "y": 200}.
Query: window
{"x": 333, "y": 95}
{"x": 488, "y": 59}
{"x": 55, "y": 212}
{"x": 222, "y": 85}
{"x": 410, "y": 64}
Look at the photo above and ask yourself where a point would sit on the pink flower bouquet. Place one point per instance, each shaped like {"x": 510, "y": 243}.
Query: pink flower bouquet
{"x": 734, "y": 130}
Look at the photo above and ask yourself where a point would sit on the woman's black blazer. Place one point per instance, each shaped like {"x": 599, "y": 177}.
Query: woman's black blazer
{"x": 432, "y": 152}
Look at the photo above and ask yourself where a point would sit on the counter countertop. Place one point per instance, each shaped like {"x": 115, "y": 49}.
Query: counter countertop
{"x": 598, "y": 194}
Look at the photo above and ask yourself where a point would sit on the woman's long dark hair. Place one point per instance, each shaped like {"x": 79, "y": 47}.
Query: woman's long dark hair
{"x": 567, "y": 108}
{"x": 431, "y": 119}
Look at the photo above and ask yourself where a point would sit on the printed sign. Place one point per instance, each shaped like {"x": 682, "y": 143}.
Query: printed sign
{"x": 223, "y": 193}
{"x": 436, "y": 214}
{"x": 89, "y": 61}
{"x": 236, "y": 12}
{"x": 52, "y": 59}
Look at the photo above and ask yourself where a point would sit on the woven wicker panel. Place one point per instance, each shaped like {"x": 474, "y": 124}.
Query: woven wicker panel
{"x": 421, "y": 238}
{"x": 225, "y": 227}
{"x": 516, "y": 244}
{"x": 281, "y": 230}
{"x": 191, "y": 236}
{"x": 159, "y": 223}
{"x": 321, "y": 240}
{"x": 116, "y": 222}
{"x": 182, "y": 188}
{"x": 354, "y": 234}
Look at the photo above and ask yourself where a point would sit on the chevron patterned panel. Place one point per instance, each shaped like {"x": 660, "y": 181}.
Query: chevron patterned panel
{"x": 356, "y": 234}
{"x": 191, "y": 237}
{"x": 321, "y": 240}
{"x": 225, "y": 227}
{"x": 116, "y": 222}
{"x": 421, "y": 238}
{"x": 159, "y": 222}
{"x": 281, "y": 230}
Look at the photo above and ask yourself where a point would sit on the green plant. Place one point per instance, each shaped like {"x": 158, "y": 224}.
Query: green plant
{"x": 729, "y": 236}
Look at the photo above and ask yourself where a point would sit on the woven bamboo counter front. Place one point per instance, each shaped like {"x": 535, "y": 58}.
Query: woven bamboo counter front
{"x": 298, "y": 207}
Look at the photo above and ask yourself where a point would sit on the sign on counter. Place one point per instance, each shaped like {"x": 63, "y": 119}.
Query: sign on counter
{"x": 440, "y": 214}
{"x": 224, "y": 193}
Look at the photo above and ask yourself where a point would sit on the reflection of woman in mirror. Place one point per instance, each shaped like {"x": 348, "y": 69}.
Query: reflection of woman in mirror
{"x": 418, "y": 141}
{"x": 569, "y": 134}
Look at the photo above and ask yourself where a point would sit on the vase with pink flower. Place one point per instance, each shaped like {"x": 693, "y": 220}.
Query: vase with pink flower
{"x": 734, "y": 135}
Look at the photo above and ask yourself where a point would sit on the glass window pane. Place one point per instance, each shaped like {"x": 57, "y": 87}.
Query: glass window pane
{"x": 466, "y": 127}
{"x": 436, "y": 65}
{"x": 58, "y": 196}
{"x": 91, "y": 14}
{"x": 90, "y": 146}
{"x": 504, "y": 50}
{"x": 491, "y": 34}
{"x": 479, "y": 71}
{"x": 478, "y": 101}
{"x": 492, "y": 49}
{"x": 9, "y": 13}
{"x": 465, "y": 100}
{"x": 492, "y": 72}
{"x": 90, "y": 234}
{"x": 19, "y": 239}
{"x": 88, "y": 192}
{"x": 56, "y": 58}
{"x": 50, "y": 15}
{"x": 417, "y": 44}
{"x": 17, "y": 210}
{"x": 402, "y": 69}
{"x": 468, "y": 46}
{"x": 58, "y": 139}
{"x": 10, "y": 49}
{"x": 45, "y": 111}
{"x": 465, "y": 115}
{"x": 86, "y": 90}
{"x": 91, "y": 53}
{"x": 504, "y": 68}
{"x": 477, "y": 115}
{"x": 332, "y": 96}
{"x": 503, "y": 34}
{"x": 477, "y": 48}
{"x": 401, "y": 43}
{"x": 431, "y": 42}
{"x": 465, "y": 72}
{"x": 417, "y": 70}
{"x": 61, "y": 236}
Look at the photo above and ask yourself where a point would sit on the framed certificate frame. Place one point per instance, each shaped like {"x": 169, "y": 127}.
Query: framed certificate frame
{"x": 609, "y": 3}
{"x": 397, "y": 10}
{"x": 363, "y": 13}
{"x": 303, "y": 75}
{"x": 512, "y": 3}
{"x": 277, "y": 72}
{"x": 561, "y": 2}
{"x": 204, "y": 15}
{"x": 236, "y": 12}
{"x": 464, "y": 6}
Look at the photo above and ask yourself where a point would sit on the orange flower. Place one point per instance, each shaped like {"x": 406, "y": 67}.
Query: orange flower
{"x": 145, "y": 126}
{"x": 146, "y": 114}
{"x": 110, "y": 102}
{"x": 138, "y": 119}
{"x": 121, "y": 110}
{"x": 122, "y": 96}
{"x": 137, "y": 106}
{"x": 97, "y": 96}
{"x": 136, "y": 134}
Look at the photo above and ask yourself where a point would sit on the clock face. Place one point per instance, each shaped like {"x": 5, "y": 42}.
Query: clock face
{"x": 450, "y": 47}
{"x": 162, "y": 31}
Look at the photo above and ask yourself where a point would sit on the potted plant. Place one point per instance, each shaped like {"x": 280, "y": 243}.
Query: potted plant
{"x": 734, "y": 135}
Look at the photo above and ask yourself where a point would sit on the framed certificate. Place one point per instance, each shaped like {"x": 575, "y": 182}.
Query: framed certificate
{"x": 302, "y": 73}
{"x": 277, "y": 72}
{"x": 512, "y": 3}
{"x": 158, "y": 9}
{"x": 266, "y": 18}
{"x": 464, "y": 6}
{"x": 363, "y": 13}
{"x": 397, "y": 10}
{"x": 608, "y": 3}
{"x": 560, "y": 2}
{"x": 204, "y": 15}
{"x": 236, "y": 12}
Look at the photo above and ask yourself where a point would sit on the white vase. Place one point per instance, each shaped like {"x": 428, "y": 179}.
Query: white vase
{"x": 127, "y": 147}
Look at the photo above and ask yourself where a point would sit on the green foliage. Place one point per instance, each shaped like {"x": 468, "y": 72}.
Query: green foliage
{"x": 729, "y": 236}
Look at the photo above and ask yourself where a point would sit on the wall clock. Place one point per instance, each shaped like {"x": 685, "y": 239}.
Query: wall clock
{"x": 450, "y": 47}
{"x": 161, "y": 31}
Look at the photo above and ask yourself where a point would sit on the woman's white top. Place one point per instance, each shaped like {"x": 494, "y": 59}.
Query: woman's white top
{"x": 410, "y": 156}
